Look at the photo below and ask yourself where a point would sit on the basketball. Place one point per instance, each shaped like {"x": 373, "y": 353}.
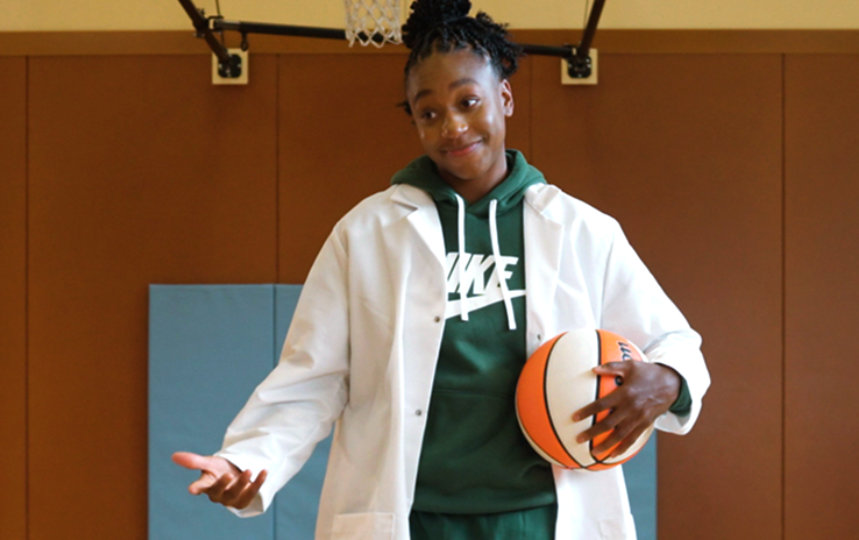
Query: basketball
{"x": 558, "y": 380}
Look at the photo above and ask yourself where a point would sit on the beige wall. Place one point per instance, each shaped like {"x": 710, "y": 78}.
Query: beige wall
{"x": 37, "y": 15}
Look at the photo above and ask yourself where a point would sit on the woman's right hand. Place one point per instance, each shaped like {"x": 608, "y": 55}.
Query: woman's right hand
{"x": 222, "y": 481}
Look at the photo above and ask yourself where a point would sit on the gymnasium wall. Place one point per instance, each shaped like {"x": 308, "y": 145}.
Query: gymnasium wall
{"x": 729, "y": 157}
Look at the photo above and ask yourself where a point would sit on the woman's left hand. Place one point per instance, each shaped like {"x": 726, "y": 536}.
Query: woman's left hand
{"x": 646, "y": 392}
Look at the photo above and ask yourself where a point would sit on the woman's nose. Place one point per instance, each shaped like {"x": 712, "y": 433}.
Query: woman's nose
{"x": 454, "y": 125}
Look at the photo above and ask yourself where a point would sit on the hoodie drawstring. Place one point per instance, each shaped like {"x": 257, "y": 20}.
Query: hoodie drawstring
{"x": 505, "y": 292}
{"x": 460, "y": 240}
{"x": 496, "y": 253}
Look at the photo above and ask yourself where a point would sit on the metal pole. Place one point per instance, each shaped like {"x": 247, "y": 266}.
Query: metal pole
{"x": 279, "y": 29}
{"x": 591, "y": 28}
{"x": 245, "y": 27}
{"x": 580, "y": 64}
{"x": 201, "y": 24}
{"x": 546, "y": 50}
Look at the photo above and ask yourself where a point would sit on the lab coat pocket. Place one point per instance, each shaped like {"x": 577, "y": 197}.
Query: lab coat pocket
{"x": 617, "y": 528}
{"x": 364, "y": 526}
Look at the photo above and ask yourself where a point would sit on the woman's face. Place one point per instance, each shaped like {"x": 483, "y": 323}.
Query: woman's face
{"x": 459, "y": 107}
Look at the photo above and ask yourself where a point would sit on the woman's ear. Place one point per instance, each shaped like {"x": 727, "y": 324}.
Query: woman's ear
{"x": 506, "y": 97}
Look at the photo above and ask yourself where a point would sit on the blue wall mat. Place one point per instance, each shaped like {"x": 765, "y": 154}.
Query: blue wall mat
{"x": 297, "y": 503}
{"x": 209, "y": 346}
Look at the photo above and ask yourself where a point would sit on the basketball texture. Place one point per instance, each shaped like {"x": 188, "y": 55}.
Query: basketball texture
{"x": 556, "y": 381}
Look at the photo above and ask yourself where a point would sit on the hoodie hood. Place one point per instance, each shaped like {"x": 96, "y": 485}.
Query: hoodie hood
{"x": 423, "y": 173}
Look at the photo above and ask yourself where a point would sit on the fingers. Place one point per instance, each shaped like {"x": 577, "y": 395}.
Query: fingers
{"x": 624, "y": 414}
{"x": 591, "y": 409}
{"x": 205, "y": 482}
{"x": 607, "y": 425}
{"x": 230, "y": 488}
{"x": 216, "y": 491}
{"x": 190, "y": 460}
{"x": 613, "y": 420}
{"x": 614, "y": 368}
{"x": 220, "y": 480}
{"x": 614, "y": 434}
{"x": 236, "y": 491}
{"x": 247, "y": 495}
{"x": 619, "y": 439}
{"x": 610, "y": 401}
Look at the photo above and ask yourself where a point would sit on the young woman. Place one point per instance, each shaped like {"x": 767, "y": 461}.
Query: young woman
{"x": 419, "y": 313}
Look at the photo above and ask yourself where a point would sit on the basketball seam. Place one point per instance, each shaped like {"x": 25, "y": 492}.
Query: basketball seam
{"x": 597, "y": 461}
{"x": 548, "y": 408}
{"x": 608, "y": 461}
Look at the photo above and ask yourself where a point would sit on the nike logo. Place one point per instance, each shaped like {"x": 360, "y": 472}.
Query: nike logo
{"x": 479, "y": 281}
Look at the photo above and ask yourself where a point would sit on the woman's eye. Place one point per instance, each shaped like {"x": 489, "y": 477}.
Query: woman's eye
{"x": 470, "y": 102}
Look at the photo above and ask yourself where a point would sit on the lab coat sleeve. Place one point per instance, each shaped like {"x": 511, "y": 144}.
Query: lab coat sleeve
{"x": 636, "y": 307}
{"x": 296, "y": 405}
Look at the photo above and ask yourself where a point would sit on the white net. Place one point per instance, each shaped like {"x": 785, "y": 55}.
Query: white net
{"x": 366, "y": 18}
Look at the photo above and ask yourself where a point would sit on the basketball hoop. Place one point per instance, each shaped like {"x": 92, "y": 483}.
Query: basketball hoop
{"x": 373, "y": 21}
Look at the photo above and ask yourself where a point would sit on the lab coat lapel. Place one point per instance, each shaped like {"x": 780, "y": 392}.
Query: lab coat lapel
{"x": 423, "y": 218}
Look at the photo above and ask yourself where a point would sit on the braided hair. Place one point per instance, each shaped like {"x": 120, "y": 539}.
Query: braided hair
{"x": 444, "y": 26}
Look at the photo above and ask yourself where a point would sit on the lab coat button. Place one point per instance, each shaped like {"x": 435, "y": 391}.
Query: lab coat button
{"x": 437, "y": 319}
{"x": 418, "y": 412}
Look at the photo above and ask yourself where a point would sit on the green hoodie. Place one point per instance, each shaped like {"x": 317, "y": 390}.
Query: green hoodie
{"x": 474, "y": 457}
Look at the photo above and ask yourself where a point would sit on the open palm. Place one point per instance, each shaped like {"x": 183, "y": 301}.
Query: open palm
{"x": 220, "y": 480}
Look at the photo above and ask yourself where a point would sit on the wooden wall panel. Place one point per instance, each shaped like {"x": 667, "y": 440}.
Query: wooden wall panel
{"x": 342, "y": 137}
{"x": 822, "y": 296}
{"x": 519, "y": 134}
{"x": 685, "y": 150}
{"x": 141, "y": 172}
{"x": 13, "y": 260}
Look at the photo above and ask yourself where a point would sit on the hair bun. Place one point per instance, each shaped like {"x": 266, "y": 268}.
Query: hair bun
{"x": 429, "y": 14}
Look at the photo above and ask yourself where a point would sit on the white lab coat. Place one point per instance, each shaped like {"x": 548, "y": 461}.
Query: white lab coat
{"x": 362, "y": 348}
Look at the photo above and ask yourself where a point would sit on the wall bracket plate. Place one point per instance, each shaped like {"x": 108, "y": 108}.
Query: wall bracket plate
{"x": 219, "y": 76}
{"x": 590, "y": 80}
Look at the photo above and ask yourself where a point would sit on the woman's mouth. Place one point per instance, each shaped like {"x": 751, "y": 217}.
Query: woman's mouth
{"x": 460, "y": 151}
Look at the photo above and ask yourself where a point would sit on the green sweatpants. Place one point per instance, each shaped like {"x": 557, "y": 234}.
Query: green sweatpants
{"x": 530, "y": 524}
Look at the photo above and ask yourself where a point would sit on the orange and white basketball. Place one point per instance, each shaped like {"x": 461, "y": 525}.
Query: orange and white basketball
{"x": 558, "y": 380}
